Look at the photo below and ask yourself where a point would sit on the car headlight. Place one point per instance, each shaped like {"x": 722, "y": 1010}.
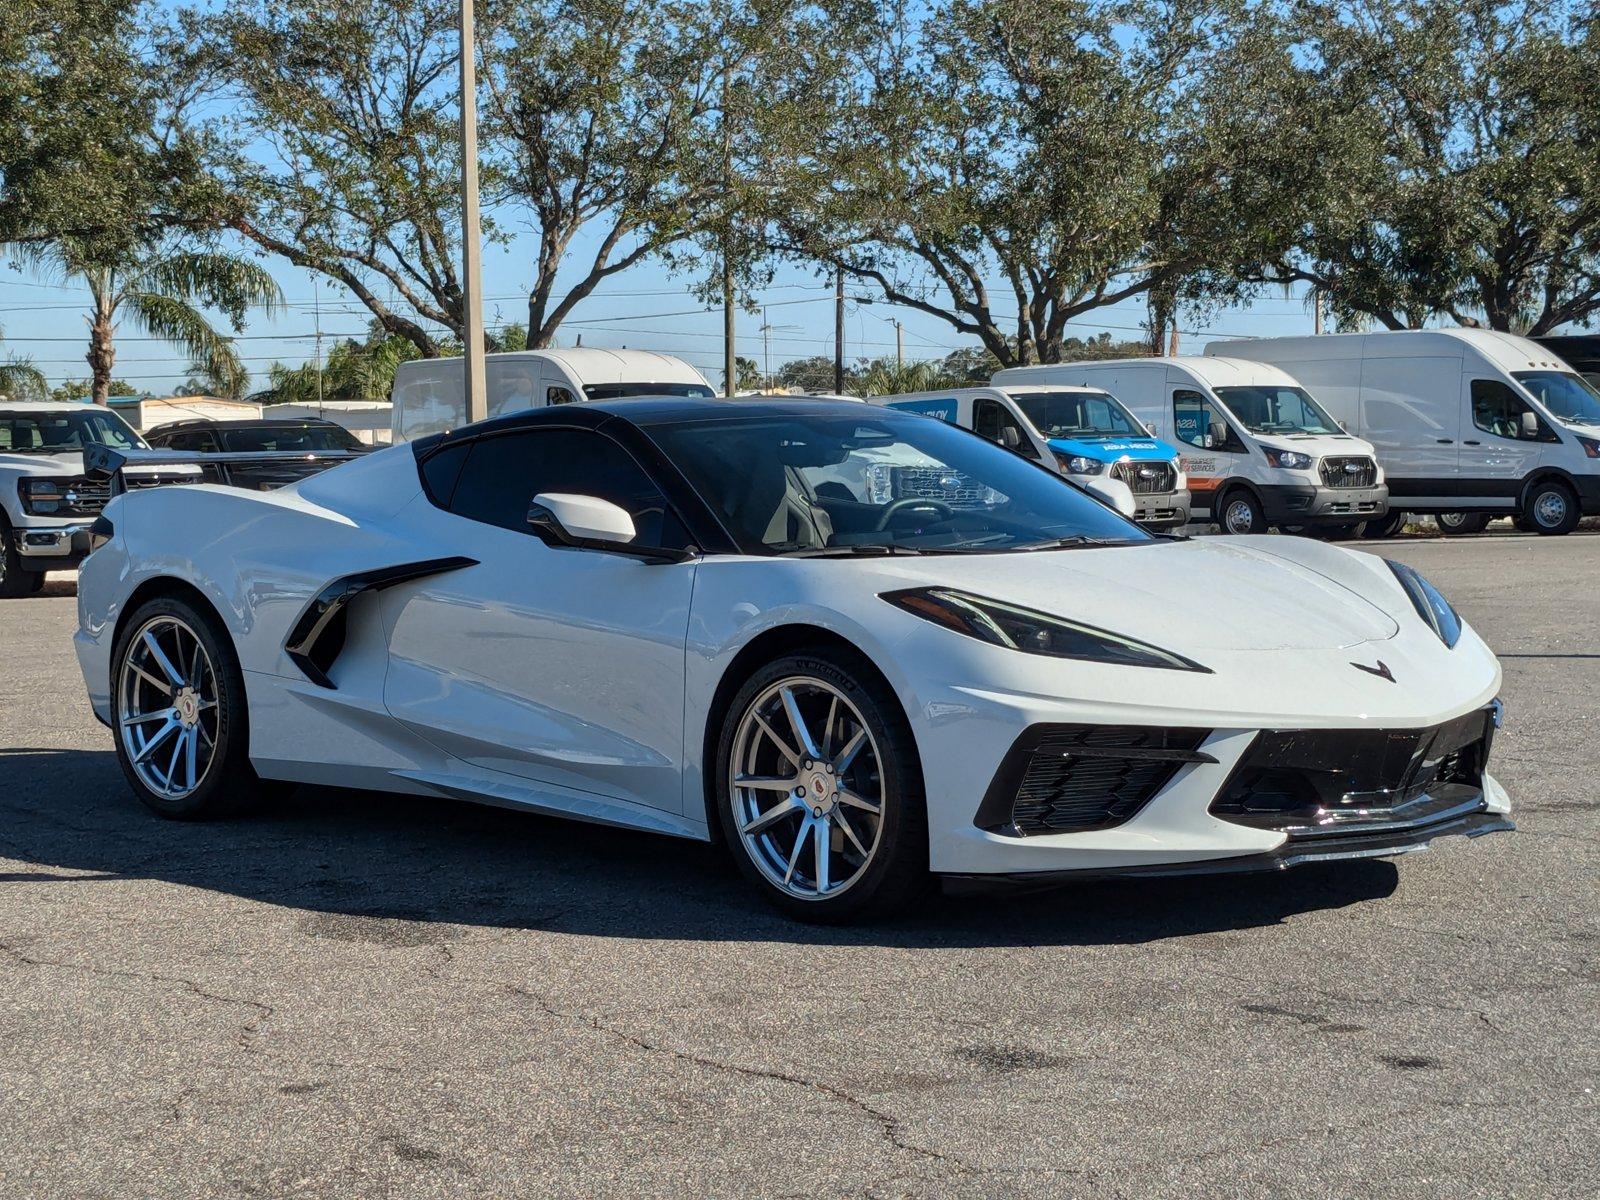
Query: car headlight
{"x": 1079, "y": 464}
{"x": 1031, "y": 632}
{"x": 1430, "y": 604}
{"x": 1590, "y": 447}
{"x": 41, "y": 496}
{"x": 1289, "y": 460}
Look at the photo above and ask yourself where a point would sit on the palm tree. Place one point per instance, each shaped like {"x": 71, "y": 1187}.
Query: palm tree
{"x": 165, "y": 293}
{"x": 21, "y": 380}
{"x": 884, "y": 377}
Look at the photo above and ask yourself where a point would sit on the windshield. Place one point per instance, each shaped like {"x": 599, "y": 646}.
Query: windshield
{"x": 1568, "y": 397}
{"x": 58, "y": 432}
{"x": 288, "y": 437}
{"x": 617, "y": 391}
{"x": 1273, "y": 409}
{"x": 815, "y": 483}
{"x": 1077, "y": 415}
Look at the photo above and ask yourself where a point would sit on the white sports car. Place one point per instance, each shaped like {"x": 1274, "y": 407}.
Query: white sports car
{"x": 861, "y": 646}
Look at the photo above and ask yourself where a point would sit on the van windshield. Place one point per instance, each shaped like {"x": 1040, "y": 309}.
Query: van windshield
{"x": 1269, "y": 408}
{"x": 1077, "y": 415}
{"x": 618, "y": 391}
{"x": 1569, "y": 398}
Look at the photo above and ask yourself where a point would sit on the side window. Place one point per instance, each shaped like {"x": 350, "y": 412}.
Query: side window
{"x": 1199, "y": 424}
{"x": 503, "y": 474}
{"x": 1498, "y": 410}
{"x": 992, "y": 421}
{"x": 441, "y": 470}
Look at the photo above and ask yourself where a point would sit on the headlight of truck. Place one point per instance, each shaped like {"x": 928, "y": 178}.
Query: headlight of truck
{"x": 1430, "y": 604}
{"x": 1079, "y": 464}
{"x": 40, "y": 496}
{"x": 1032, "y": 632}
{"x": 1289, "y": 460}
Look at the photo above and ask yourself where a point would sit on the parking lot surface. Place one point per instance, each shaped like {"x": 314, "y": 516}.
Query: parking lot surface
{"x": 368, "y": 995}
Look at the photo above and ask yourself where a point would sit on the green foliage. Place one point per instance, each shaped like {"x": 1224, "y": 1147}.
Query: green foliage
{"x": 21, "y": 380}
{"x": 353, "y": 371}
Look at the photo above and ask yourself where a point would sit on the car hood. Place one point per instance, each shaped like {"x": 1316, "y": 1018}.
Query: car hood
{"x": 70, "y": 463}
{"x": 1206, "y": 594}
{"x": 1318, "y": 445}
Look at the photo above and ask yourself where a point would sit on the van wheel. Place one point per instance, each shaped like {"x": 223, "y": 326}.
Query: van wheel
{"x": 1385, "y": 526}
{"x": 1454, "y": 524}
{"x": 1523, "y": 525}
{"x": 1551, "y": 508}
{"x": 1241, "y": 513}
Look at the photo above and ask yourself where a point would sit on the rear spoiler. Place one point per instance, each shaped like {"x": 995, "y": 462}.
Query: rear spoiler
{"x": 106, "y": 462}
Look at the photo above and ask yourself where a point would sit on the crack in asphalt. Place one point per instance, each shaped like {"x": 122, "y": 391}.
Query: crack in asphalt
{"x": 889, "y": 1125}
{"x": 247, "y": 1032}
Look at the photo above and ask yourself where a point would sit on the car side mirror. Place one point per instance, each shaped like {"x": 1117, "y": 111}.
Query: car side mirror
{"x": 1113, "y": 493}
{"x": 1150, "y": 428}
{"x": 1530, "y": 426}
{"x": 574, "y": 522}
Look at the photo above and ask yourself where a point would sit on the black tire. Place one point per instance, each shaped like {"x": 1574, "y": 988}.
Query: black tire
{"x": 1386, "y": 526}
{"x": 14, "y": 581}
{"x": 1240, "y": 512}
{"x": 1551, "y": 507}
{"x": 896, "y": 871}
{"x": 1458, "y": 524}
{"x": 228, "y": 784}
{"x": 1523, "y": 525}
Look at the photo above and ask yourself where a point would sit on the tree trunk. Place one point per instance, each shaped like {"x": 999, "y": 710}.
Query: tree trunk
{"x": 102, "y": 354}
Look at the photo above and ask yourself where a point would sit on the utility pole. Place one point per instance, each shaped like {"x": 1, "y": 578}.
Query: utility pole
{"x": 316, "y": 316}
{"x": 730, "y": 361}
{"x": 838, "y": 331}
{"x": 1316, "y": 311}
{"x": 899, "y": 344}
{"x": 1172, "y": 345}
{"x": 471, "y": 234}
{"x": 766, "y": 347}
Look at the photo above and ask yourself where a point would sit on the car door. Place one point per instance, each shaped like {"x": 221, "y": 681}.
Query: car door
{"x": 564, "y": 666}
{"x": 1411, "y": 413}
{"x": 1502, "y": 441}
{"x": 1209, "y": 450}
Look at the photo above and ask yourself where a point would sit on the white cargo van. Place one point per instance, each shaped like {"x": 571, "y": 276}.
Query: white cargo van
{"x": 1255, "y": 447}
{"x": 428, "y": 393}
{"x": 1084, "y": 433}
{"x": 1465, "y": 421}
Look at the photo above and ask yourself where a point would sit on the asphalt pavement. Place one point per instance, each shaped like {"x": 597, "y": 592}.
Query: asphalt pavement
{"x": 371, "y": 995}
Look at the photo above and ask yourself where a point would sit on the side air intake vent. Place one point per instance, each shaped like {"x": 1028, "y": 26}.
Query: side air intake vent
{"x": 1073, "y": 778}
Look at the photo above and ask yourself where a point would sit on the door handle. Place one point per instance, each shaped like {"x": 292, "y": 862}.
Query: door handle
{"x": 1472, "y": 443}
{"x": 1447, "y": 441}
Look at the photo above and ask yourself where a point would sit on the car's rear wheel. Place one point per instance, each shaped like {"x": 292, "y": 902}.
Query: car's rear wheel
{"x": 819, "y": 789}
{"x": 1385, "y": 526}
{"x": 1551, "y": 508}
{"x": 179, "y": 715}
{"x": 1455, "y": 524}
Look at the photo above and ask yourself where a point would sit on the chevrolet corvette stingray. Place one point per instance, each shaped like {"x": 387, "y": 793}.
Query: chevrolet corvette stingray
{"x": 862, "y": 647}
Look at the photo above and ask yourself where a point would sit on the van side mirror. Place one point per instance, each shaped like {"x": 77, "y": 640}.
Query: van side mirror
{"x": 1150, "y": 428}
{"x": 1530, "y": 426}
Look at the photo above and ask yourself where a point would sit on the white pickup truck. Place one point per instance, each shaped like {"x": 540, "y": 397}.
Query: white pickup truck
{"x": 47, "y": 502}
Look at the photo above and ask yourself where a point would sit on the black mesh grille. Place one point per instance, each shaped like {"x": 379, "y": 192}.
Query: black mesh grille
{"x": 1147, "y": 478}
{"x": 1349, "y": 471}
{"x": 1311, "y": 781}
{"x": 1072, "y": 778}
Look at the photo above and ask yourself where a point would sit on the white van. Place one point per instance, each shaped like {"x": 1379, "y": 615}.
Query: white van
{"x": 1464, "y": 420}
{"x": 1083, "y": 433}
{"x": 1255, "y": 447}
{"x": 429, "y": 394}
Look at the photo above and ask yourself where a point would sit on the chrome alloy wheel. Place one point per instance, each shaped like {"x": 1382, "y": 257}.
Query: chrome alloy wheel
{"x": 167, "y": 711}
{"x": 1239, "y": 517}
{"x": 1550, "y": 509}
{"x": 806, "y": 788}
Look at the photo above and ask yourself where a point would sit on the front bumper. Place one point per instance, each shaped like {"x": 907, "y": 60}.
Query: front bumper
{"x": 52, "y": 548}
{"x": 1168, "y": 510}
{"x": 1309, "y": 504}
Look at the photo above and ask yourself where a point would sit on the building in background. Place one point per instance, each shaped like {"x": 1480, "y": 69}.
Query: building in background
{"x": 147, "y": 412}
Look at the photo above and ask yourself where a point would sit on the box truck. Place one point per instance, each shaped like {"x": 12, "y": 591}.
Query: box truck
{"x": 429, "y": 397}
{"x": 1256, "y": 448}
{"x": 1084, "y": 433}
{"x": 1465, "y": 421}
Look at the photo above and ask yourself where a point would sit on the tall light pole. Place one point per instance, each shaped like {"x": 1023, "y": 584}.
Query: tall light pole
{"x": 471, "y": 234}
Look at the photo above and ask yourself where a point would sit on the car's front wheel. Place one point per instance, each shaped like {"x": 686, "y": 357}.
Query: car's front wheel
{"x": 1551, "y": 508}
{"x": 14, "y": 581}
{"x": 1241, "y": 512}
{"x": 179, "y": 715}
{"x": 1455, "y": 524}
{"x": 819, "y": 789}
